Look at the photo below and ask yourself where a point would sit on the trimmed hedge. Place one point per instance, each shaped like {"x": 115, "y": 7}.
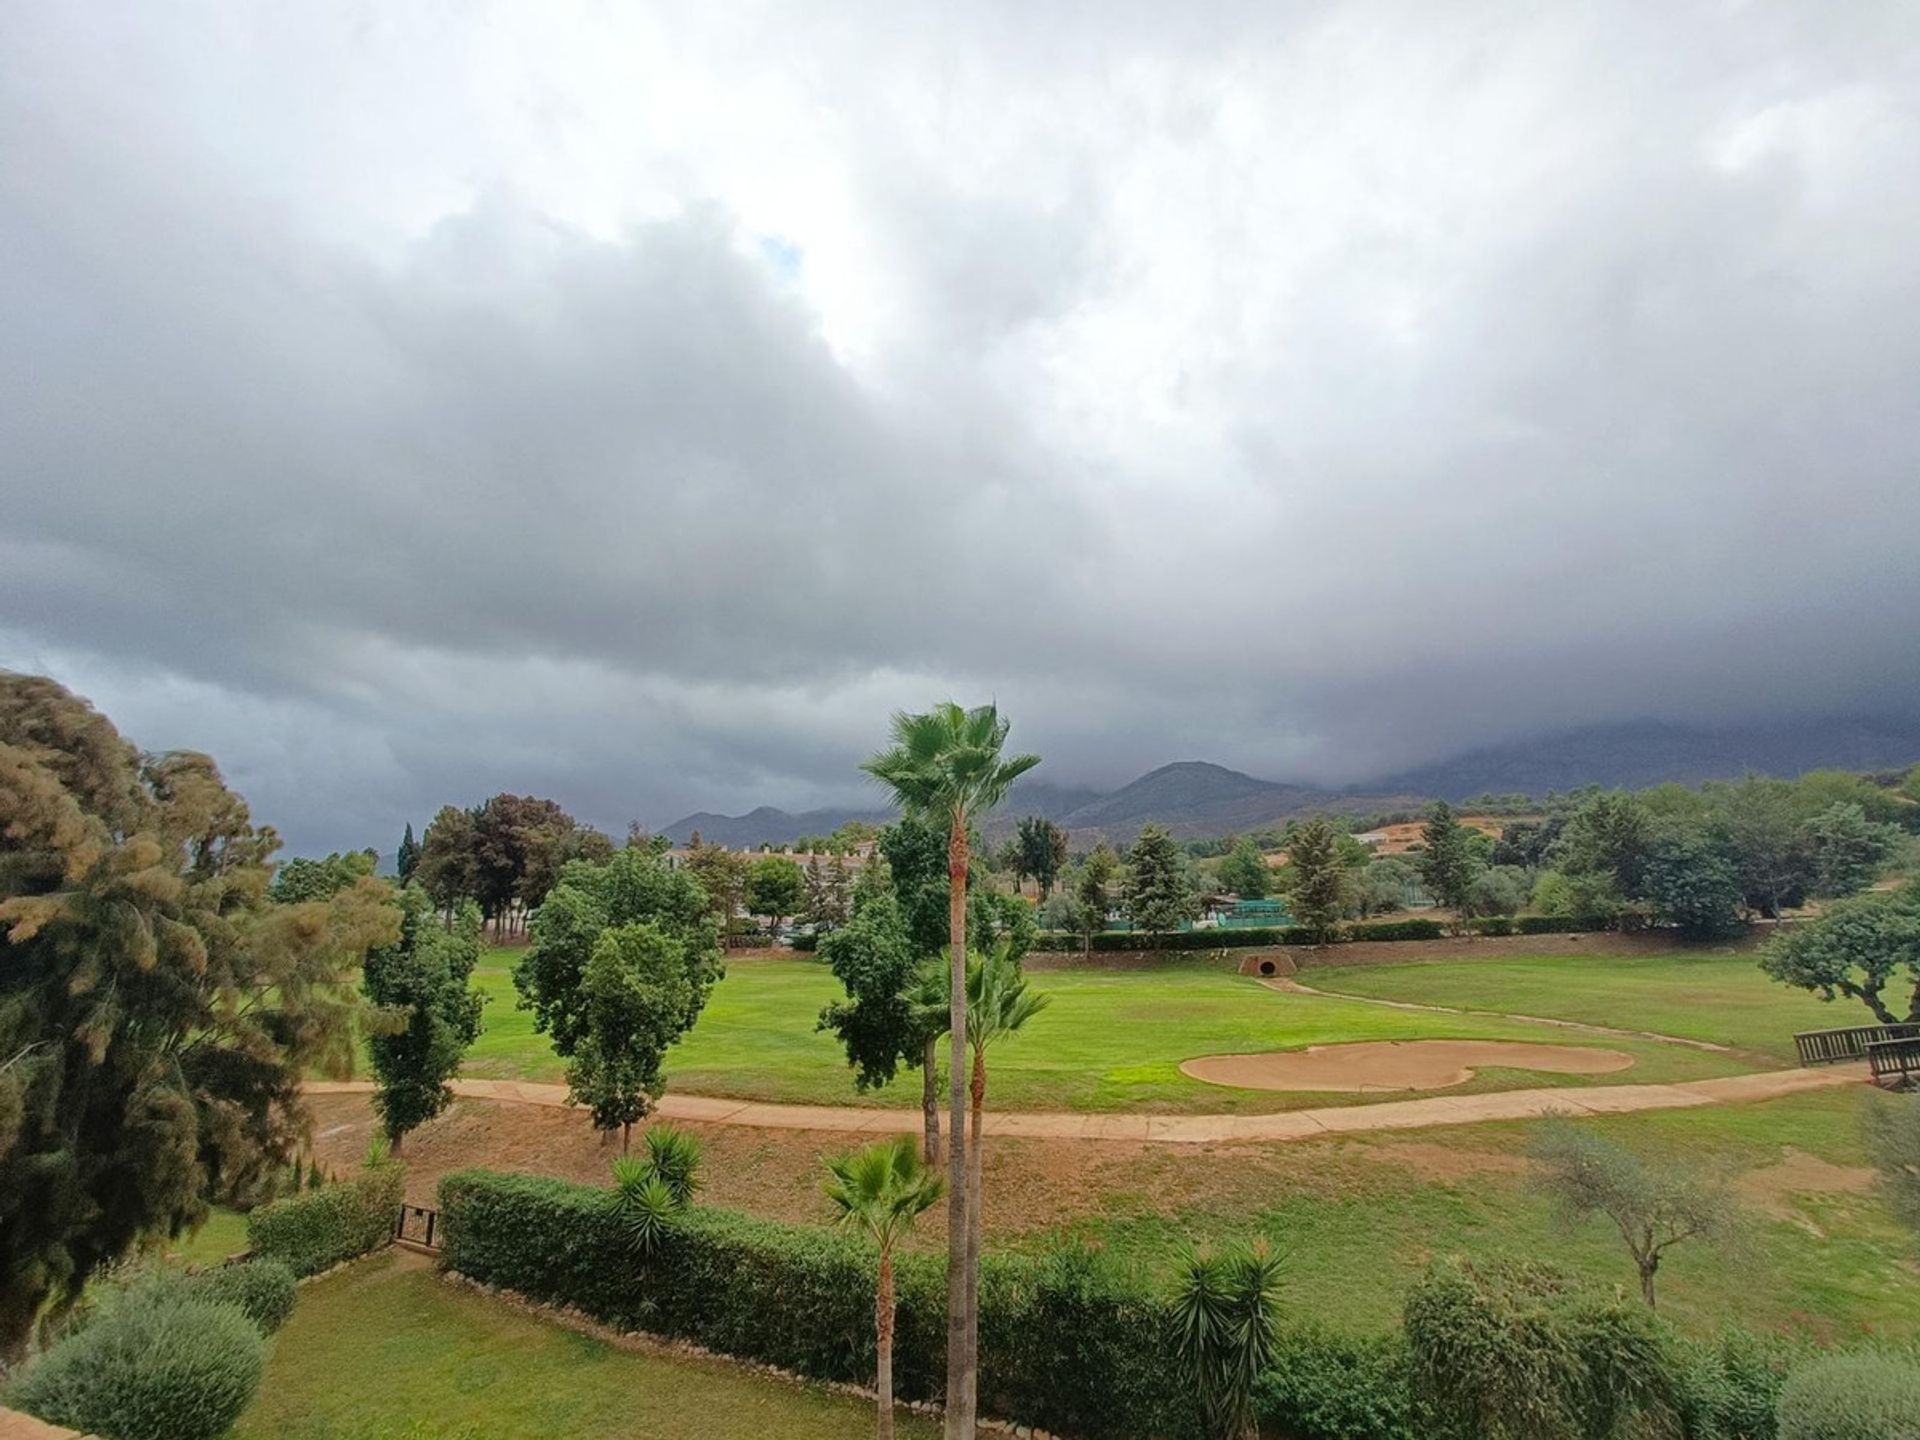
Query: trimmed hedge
{"x": 312, "y": 1232}
{"x": 161, "y": 1366}
{"x": 1396, "y": 930}
{"x": 1068, "y": 1343}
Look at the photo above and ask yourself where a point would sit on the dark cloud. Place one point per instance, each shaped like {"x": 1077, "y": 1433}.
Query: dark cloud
{"x": 636, "y": 409}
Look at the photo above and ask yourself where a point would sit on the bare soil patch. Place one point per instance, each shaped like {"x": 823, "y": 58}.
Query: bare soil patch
{"x": 1773, "y": 1187}
{"x": 1372, "y": 1065}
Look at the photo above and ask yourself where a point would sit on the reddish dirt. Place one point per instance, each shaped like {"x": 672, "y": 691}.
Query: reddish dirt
{"x": 1366, "y": 1066}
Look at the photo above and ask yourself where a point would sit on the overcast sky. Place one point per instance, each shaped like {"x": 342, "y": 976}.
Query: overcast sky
{"x": 633, "y": 403}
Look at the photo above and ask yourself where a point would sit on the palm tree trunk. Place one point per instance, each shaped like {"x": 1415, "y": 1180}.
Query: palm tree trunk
{"x": 959, "y": 1423}
{"x": 883, "y": 1338}
{"x": 930, "y": 1098}
{"x": 978, "y": 1095}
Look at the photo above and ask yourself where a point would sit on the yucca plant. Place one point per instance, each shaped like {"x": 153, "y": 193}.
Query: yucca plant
{"x": 652, "y": 1191}
{"x": 1223, "y": 1315}
{"x": 946, "y": 766}
{"x": 882, "y": 1190}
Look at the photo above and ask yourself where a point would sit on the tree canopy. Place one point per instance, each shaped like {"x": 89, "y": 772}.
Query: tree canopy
{"x": 1861, "y": 948}
{"x": 157, "y": 1009}
{"x": 425, "y": 1012}
{"x": 1159, "y": 893}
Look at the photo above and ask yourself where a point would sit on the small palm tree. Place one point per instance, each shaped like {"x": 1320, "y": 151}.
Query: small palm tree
{"x": 1223, "y": 1314}
{"x": 650, "y": 1192}
{"x": 946, "y": 766}
{"x": 882, "y": 1190}
{"x": 998, "y": 1004}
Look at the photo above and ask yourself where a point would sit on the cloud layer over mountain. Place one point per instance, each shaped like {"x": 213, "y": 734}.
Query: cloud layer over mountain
{"x": 633, "y": 404}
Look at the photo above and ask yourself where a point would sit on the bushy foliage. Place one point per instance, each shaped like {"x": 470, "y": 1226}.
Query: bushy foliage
{"x": 312, "y": 1232}
{"x": 1326, "y": 1386}
{"x": 263, "y": 1290}
{"x": 1859, "y": 1396}
{"x": 426, "y": 1013}
{"x": 1728, "y": 1389}
{"x": 1510, "y": 1352}
{"x": 1070, "y": 1342}
{"x": 162, "y": 1366}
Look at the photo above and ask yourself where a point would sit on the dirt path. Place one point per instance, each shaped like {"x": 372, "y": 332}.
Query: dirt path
{"x": 1203, "y": 1129}
{"x": 1294, "y": 987}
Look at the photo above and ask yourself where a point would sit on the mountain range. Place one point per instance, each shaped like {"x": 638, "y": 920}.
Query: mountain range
{"x": 1195, "y": 797}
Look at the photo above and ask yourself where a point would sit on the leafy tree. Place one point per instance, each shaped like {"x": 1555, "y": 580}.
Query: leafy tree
{"x": 1586, "y": 896}
{"x": 1690, "y": 884}
{"x": 914, "y": 856}
{"x": 633, "y": 888}
{"x": 1383, "y": 886}
{"x": 1653, "y": 1207}
{"x": 300, "y": 880}
{"x": 722, "y": 874}
{"x": 521, "y": 843}
{"x": 882, "y": 1023}
{"x": 1224, "y": 1315}
{"x": 829, "y": 893}
{"x": 638, "y": 995}
{"x": 1094, "y": 891}
{"x": 1857, "y": 949}
{"x": 407, "y": 858}
{"x": 448, "y": 868}
{"x": 157, "y": 1010}
{"x": 425, "y": 1012}
{"x": 1497, "y": 890}
{"x": 1042, "y": 849}
{"x": 1610, "y": 834}
{"x": 881, "y": 1191}
{"x": 1526, "y": 843}
{"x": 1847, "y": 849}
{"x": 1447, "y": 863}
{"x": 1159, "y": 892}
{"x": 1892, "y": 1126}
{"x": 1321, "y": 884}
{"x": 1245, "y": 872}
{"x": 946, "y": 766}
{"x": 1511, "y": 1352}
{"x": 1766, "y": 841}
{"x": 776, "y": 888}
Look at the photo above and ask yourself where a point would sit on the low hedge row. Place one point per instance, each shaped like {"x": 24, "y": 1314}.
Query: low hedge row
{"x": 312, "y": 1232}
{"x": 1070, "y": 1342}
{"x": 1413, "y": 928}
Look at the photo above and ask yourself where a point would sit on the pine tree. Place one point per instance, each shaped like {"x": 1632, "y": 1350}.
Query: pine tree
{"x": 1447, "y": 865}
{"x": 1322, "y": 889}
{"x": 407, "y": 858}
{"x": 1159, "y": 894}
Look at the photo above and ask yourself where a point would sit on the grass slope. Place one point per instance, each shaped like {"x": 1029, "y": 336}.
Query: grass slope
{"x": 385, "y": 1351}
{"x": 1109, "y": 1040}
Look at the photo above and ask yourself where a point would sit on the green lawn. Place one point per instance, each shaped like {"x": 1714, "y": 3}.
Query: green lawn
{"x": 1109, "y": 1040}
{"x": 1358, "y": 1221}
{"x": 1723, "y": 998}
{"x": 384, "y": 1350}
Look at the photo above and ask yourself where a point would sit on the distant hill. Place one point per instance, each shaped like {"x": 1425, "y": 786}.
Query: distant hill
{"x": 1652, "y": 752}
{"x": 1193, "y": 798}
{"x": 766, "y": 825}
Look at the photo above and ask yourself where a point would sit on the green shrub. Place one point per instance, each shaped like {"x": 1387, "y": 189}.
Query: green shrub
{"x": 161, "y": 1366}
{"x": 1860, "y": 1396}
{"x": 1068, "y": 1342}
{"x": 1728, "y": 1389}
{"x": 1493, "y": 925}
{"x": 311, "y": 1232}
{"x": 1324, "y": 1386}
{"x": 1559, "y": 924}
{"x": 264, "y": 1290}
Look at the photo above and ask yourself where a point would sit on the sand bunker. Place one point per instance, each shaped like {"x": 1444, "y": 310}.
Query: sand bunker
{"x": 1397, "y": 1064}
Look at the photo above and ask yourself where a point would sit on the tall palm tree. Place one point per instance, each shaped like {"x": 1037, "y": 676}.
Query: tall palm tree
{"x": 998, "y": 1003}
{"x": 882, "y": 1190}
{"x": 946, "y": 766}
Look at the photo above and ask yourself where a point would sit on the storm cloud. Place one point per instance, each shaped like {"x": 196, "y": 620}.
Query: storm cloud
{"x": 634, "y": 404}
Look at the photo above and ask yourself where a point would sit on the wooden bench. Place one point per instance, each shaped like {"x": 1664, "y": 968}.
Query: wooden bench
{"x": 1831, "y": 1047}
{"x": 1894, "y": 1063}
